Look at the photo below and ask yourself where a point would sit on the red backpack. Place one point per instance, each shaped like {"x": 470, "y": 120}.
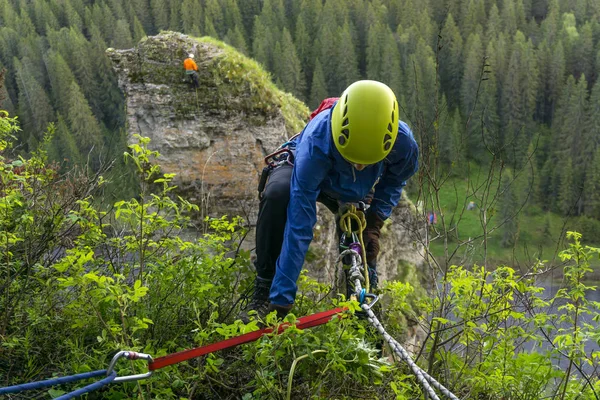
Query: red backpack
{"x": 325, "y": 105}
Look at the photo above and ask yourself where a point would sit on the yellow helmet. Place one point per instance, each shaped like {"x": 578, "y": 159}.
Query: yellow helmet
{"x": 364, "y": 122}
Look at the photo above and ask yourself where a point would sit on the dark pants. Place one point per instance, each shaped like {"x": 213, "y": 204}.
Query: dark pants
{"x": 272, "y": 216}
{"x": 193, "y": 77}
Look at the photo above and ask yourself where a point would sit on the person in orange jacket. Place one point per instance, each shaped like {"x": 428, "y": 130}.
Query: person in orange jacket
{"x": 191, "y": 70}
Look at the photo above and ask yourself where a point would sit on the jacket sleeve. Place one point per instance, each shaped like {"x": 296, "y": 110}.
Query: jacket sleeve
{"x": 404, "y": 165}
{"x": 311, "y": 166}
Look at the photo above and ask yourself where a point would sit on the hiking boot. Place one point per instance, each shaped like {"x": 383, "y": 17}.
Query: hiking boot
{"x": 259, "y": 302}
{"x": 282, "y": 311}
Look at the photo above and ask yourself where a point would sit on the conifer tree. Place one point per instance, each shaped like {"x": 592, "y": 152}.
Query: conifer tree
{"x": 474, "y": 19}
{"x": 592, "y": 120}
{"x": 347, "y": 67}
{"x": 97, "y": 15}
{"x": 209, "y": 28}
{"x": 472, "y": 74}
{"x": 583, "y": 54}
{"x": 9, "y": 15}
{"x": 117, "y": 9}
{"x": 446, "y": 144}
{"x": 138, "y": 30}
{"x": 568, "y": 193}
{"x": 509, "y": 205}
{"x": 318, "y": 89}
{"x": 214, "y": 20}
{"x": 546, "y": 193}
{"x": 32, "y": 47}
{"x": 44, "y": 17}
{"x": 520, "y": 15}
{"x": 304, "y": 49}
{"x": 236, "y": 39}
{"x": 419, "y": 86}
{"x": 494, "y": 24}
{"x": 518, "y": 102}
{"x": 553, "y": 66}
{"x": 73, "y": 18}
{"x": 391, "y": 72}
{"x": 327, "y": 49}
{"x": 34, "y": 109}
{"x": 375, "y": 49}
{"x": 310, "y": 13}
{"x": 509, "y": 17}
{"x": 110, "y": 97}
{"x": 160, "y": 14}
{"x": 592, "y": 187}
{"x": 232, "y": 17}
{"x": 551, "y": 24}
{"x": 451, "y": 60}
{"x": 489, "y": 104}
{"x": 458, "y": 143}
{"x": 142, "y": 12}
{"x": 261, "y": 44}
{"x": 81, "y": 53}
{"x": 122, "y": 36}
{"x": 249, "y": 9}
{"x": 83, "y": 125}
{"x": 287, "y": 66}
{"x": 61, "y": 78}
{"x": 63, "y": 148}
{"x": 575, "y": 122}
{"x": 175, "y": 20}
{"x": 192, "y": 16}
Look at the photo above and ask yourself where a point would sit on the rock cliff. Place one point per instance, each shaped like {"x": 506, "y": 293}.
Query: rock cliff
{"x": 216, "y": 137}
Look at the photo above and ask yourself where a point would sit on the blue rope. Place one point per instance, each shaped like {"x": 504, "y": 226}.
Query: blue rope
{"x": 89, "y": 388}
{"x": 51, "y": 382}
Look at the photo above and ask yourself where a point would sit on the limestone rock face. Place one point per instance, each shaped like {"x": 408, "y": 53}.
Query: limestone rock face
{"x": 216, "y": 137}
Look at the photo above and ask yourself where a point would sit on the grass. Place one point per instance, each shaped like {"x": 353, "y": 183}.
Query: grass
{"x": 540, "y": 233}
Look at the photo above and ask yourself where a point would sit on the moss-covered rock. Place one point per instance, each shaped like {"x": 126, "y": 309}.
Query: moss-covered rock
{"x": 214, "y": 137}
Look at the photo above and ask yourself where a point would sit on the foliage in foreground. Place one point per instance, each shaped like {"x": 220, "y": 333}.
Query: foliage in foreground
{"x": 77, "y": 284}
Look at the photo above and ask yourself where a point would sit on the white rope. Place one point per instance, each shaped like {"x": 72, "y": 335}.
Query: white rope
{"x": 423, "y": 377}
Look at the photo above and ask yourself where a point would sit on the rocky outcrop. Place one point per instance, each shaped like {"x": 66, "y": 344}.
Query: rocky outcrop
{"x": 215, "y": 138}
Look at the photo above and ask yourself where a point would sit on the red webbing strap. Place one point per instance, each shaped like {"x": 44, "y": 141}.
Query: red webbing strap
{"x": 305, "y": 322}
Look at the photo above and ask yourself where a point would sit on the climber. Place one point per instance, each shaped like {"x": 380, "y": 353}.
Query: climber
{"x": 191, "y": 70}
{"x": 352, "y": 147}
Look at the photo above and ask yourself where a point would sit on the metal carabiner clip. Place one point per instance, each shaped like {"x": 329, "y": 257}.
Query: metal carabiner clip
{"x": 132, "y": 355}
{"x": 367, "y": 306}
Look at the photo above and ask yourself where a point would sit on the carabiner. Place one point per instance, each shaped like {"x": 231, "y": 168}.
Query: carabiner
{"x": 132, "y": 355}
{"x": 367, "y": 306}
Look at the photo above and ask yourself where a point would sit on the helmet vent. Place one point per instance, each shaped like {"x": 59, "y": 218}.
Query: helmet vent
{"x": 342, "y": 140}
{"x": 345, "y": 111}
{"x": 346, "y": 132}
{"x": 392, "y": 116}
{"x": 345, "y": 123}
{"x": 387, "y": 146}
{"x": 390, "y": 128}
{"x": 387, "y": 138}
{"x": 346, "y": 99}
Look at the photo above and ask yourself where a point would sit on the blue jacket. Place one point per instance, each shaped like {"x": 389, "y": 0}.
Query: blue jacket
{"x": 319, "y": 167}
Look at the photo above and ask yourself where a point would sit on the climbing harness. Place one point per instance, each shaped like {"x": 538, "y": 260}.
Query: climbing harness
{"x": 283, "y": 155}
{"x": 352, "y": 244}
